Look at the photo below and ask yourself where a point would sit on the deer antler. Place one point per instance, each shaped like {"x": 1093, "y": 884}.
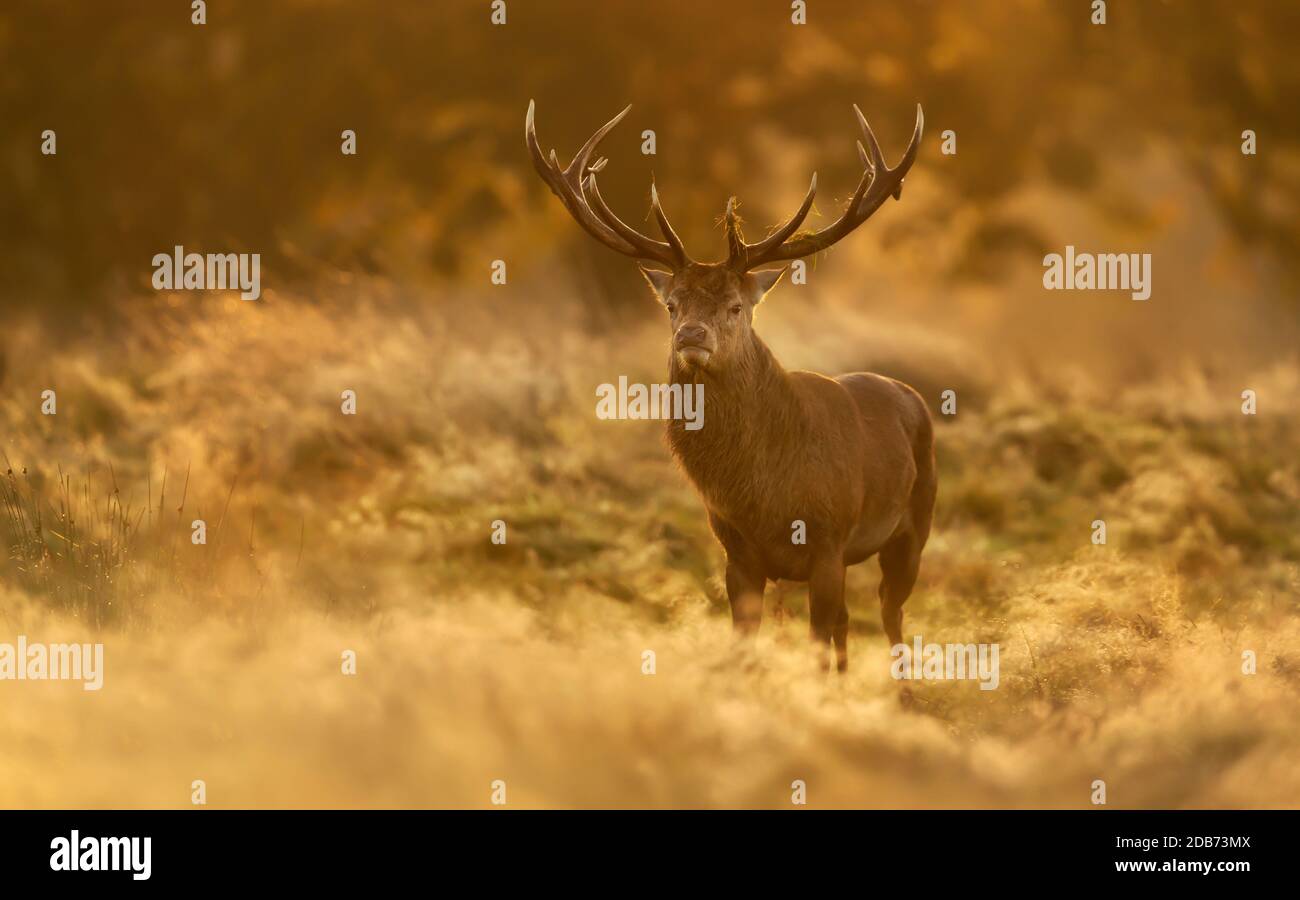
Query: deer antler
{"x": 878, "y": 182}
{"x": 575, "y": 185}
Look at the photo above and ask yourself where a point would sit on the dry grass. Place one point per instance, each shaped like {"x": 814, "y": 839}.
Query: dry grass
{"x": 523, "y": 661}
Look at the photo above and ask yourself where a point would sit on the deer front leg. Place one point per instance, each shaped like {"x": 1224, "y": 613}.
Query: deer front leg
{"x": 828, "y": 613}
{"x": 745, "y": 586}
{"x": 746, "y": 579}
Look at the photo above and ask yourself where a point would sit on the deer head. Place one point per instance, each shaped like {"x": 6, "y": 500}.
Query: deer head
{"x": 711, "y": 305}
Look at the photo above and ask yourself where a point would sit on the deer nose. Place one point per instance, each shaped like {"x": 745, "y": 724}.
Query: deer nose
{"x": 691, "y": 336}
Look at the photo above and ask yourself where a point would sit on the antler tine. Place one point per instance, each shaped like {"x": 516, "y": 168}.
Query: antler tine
{"x": 866, "y": 160}
{"x": 619, "y": 226}
{"x": 897, "y": 173}
{"x": 678, "y": 248}
{"x": 571, "y": 183}
{"x": 878, "y": 183}
{"x": 736, "y": 248}
{"x": 579, "y": 164}
{"x": 877, "y": 162}
{"x": 741, "y": 256}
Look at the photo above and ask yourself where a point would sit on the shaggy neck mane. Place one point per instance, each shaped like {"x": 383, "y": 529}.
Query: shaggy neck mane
{"x": 752, "y": 422}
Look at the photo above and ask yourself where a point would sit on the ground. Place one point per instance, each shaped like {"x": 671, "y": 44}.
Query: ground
{"x": 523, "y": 662}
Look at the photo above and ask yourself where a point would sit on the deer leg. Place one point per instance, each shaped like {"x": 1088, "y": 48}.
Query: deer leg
{"x": 841, "y": 635}
{"x": 900, "y": 560}
{"x": 745, "y": 586}
{"x": 828, "y": 614}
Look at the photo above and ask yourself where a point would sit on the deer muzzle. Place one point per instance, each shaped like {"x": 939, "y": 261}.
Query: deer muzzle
{"x": 694, "y": 344}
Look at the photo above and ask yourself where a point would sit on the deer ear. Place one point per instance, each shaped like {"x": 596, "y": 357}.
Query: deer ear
{"x": 660, "y": 282}
{"x": 767, "y": 279}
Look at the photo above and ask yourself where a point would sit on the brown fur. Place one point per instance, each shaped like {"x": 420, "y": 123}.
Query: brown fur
{"x": 852, "y": 457}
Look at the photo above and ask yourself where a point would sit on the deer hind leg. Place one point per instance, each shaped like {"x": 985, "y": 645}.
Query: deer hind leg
{"x": 900, "y": 560}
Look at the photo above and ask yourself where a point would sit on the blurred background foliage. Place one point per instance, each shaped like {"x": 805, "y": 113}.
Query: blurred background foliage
{"x": 226, "y": 137}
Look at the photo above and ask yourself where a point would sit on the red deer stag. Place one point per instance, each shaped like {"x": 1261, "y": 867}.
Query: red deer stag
{"x": 851, "y": 457}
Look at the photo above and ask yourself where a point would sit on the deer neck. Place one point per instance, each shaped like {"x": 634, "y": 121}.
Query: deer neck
{"x": 751, "y": 419}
